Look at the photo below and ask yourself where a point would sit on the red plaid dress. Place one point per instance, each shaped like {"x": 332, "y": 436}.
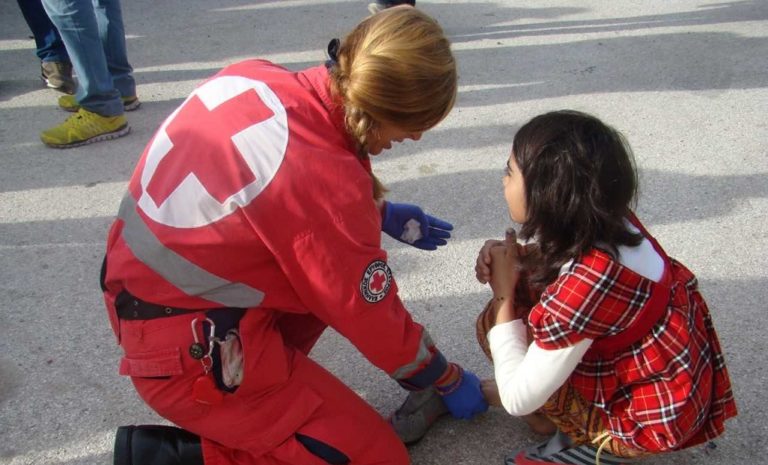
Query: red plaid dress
{"x": 668, "y": 390}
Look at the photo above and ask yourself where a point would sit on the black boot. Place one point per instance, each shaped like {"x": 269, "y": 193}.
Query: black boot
{"x": 156, "y": 445}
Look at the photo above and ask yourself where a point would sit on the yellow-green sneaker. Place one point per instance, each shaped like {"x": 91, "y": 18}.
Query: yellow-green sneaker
{"x": 69, "y": 103}
{"x": 83, "y": 128}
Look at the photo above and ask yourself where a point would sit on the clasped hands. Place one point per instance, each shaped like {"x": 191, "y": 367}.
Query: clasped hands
{"x": 498, "y": 264}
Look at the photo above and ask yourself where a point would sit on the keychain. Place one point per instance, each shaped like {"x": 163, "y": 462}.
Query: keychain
{"x": 204, "y": 389}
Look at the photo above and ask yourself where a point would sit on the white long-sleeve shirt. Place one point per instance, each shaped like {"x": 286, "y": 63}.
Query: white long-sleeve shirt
{"x": 527, "y": 377}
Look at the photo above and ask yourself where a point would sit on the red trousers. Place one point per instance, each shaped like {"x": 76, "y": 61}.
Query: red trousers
{"x": 283, "y": 392}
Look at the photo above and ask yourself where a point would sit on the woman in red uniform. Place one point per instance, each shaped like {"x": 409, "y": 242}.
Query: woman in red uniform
{"x": 253, "y": 222}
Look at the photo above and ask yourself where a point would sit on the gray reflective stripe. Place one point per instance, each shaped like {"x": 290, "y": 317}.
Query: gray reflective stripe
{"x": 422, "y": 355}
{"x": 177, "y": 270}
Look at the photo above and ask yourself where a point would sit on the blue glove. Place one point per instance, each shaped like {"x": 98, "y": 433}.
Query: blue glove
{"x": 464, "y": 398}
{"x": 409, "y": 224}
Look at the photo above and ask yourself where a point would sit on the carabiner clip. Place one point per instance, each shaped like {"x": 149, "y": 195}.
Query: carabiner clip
{"x": 206, "y": 360}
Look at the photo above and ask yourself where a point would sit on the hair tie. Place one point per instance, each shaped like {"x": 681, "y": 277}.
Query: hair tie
{"x": 333, "y": 53}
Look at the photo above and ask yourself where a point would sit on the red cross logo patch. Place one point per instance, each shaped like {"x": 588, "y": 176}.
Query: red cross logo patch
{"x": 214, "y": 154}
{"x": 376, "y": 281}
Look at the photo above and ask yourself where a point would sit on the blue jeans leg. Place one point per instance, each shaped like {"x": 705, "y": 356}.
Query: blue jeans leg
{"x": 47, "y": 39}
{"x": 112, "y": 32}
{"x": 77, "y": 23}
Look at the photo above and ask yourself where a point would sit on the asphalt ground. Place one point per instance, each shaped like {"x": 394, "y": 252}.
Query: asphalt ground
{"x": 685, "y": 81}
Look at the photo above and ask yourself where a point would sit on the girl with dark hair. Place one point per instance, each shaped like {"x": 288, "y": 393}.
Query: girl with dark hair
{"x": 624, "y": 360}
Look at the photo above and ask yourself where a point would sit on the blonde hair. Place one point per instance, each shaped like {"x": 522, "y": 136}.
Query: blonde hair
{"x": 395, "y": 67}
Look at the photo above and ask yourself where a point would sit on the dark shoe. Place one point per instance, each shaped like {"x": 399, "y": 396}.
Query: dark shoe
{"x": 58, "y": 75}
{"x": 379, "y": 5}
{"x": 529, "y": 455}
{"x": 156, "y": 445}
{"x": 420, "y": 410}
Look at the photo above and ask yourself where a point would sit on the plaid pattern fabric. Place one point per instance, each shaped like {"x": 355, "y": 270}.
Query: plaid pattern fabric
{"x": 669, "y": 390}
{"x": 582, "y": 422}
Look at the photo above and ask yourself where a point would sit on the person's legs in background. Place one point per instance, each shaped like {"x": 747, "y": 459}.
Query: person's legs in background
{"x": 109, "y": 19}
{"x": 77, "y": 24}
{"x": 383, "y": 4}
{"x": 98, "y": 102}
{"x": 112, "y": 33}
{"x": 55, "y": 67}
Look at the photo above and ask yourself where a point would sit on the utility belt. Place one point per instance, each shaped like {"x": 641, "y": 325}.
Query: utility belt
{"x": 216, "y": 343}
{"x": 216, "y": 340}
{"x": 130, "y": 307}
{"x": 219, "y": 320}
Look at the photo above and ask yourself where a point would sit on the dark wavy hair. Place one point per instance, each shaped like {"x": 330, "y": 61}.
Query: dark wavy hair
{"x": 580, "y": 182}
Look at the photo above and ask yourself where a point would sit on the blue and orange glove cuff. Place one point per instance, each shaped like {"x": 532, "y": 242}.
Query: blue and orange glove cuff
{"x": 428, "y": 375}
{"x": 463, "y": 397}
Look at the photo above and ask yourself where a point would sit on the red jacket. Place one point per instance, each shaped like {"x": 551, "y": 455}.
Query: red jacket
{"x": 251, "y": 195}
